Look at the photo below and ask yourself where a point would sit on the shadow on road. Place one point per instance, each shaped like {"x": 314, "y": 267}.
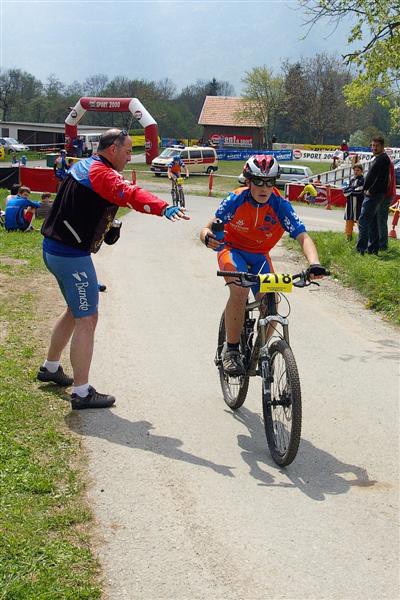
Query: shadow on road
{"x": 314, "y": 472}
{"x": 105, "y": 424}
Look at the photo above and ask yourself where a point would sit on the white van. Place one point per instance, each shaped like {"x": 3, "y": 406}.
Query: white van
{"x": 198, "y": 159}
{"x": 90, "y": 142}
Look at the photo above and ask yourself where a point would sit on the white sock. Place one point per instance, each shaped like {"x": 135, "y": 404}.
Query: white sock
{"x": 81, "y": 390}
{"x": 51, "y": 365}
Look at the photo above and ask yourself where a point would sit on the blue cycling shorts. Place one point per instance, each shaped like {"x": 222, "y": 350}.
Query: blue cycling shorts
{"x": 77, "y": 279}
{"x": 231, "y": 259}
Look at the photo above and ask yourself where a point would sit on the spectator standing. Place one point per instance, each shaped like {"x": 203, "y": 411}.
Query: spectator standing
{"x": 60, "y": 167}
{"x": 383, "y": 209}
{"x": 345, "y": 149}
{"x": 375, "y": 188}
{"x": 81, "y": 218}
{"x": 354, "y": 194}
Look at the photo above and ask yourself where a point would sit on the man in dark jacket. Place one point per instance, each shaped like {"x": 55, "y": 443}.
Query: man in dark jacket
{"x": 375, "y": 188}
{"x": 81, "y": 218}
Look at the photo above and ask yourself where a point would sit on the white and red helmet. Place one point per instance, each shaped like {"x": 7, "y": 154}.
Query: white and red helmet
{"x": 261, "y": 165}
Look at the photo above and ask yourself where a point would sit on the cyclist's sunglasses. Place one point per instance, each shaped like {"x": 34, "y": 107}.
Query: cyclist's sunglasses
{"x": 259, "y": 182}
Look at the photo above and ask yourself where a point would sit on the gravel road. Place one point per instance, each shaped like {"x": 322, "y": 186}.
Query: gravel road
{"x": 188, "y": 501}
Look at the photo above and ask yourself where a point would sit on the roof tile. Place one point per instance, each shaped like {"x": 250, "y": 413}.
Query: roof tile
{"x": 223, "y": 110}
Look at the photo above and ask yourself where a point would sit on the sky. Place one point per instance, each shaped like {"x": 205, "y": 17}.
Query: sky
{"x": 180, "y": 40}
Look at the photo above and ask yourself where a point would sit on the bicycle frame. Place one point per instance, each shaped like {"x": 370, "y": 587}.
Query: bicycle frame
{"x": 262, "y": 341}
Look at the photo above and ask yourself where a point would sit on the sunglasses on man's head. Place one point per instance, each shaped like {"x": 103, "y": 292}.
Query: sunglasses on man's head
{"x": 109, "y": 142}
{"x": 259, "y": 182}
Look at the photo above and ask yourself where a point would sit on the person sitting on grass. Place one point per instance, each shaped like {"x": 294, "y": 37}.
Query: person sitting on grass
{"x": 13, "y": 193}
{"x": 309, "y": 193}
{"x": 20, "y": 211}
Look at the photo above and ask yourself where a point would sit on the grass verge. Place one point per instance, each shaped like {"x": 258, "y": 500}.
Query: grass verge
{"x": 375, "y": 277}
{"x": 44, "y": 518}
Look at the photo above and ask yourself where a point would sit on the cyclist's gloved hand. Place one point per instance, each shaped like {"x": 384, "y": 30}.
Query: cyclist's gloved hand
{"x": 317, "y": 270}
{"x": 174, "y": 213}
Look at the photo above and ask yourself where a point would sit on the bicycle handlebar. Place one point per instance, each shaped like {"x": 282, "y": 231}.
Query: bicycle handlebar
{"x": 250, "y": 278}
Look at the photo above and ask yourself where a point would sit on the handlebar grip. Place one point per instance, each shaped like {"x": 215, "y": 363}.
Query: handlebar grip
{"x": 229, "y": 274}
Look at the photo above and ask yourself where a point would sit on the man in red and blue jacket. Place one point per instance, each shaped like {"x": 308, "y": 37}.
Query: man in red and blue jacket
{"x": 80, "y": 219}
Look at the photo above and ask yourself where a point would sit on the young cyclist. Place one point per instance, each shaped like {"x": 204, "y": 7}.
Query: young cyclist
{"x": 175, "y": 168}
{"x": 255, "y": 219}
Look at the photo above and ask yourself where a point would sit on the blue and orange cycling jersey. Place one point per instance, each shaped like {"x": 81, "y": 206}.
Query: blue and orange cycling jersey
{"x": 176, "y": 166}
{"x": 255, "y": 227}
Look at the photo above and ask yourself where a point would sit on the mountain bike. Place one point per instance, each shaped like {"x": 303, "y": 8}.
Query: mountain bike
{"x": 266, "y": 352}
{"x": 178, "y": 197}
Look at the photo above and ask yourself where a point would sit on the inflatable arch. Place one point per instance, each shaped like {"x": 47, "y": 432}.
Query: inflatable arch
{"x": 132, "y": 105}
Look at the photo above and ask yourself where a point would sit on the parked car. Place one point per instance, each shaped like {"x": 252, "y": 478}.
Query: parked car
{"x": 288, "y": 174}
{"x": 12, "y": 145}
{"x": 199, "y": 159}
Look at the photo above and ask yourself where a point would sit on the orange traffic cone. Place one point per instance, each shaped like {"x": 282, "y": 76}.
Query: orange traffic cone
{"x": 210, "y": 184}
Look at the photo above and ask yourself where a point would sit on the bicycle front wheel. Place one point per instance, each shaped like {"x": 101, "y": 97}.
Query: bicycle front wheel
{"x": 181, "y": 198}
{"x": 234, "y": 389}
{"x": 282, "y": 404}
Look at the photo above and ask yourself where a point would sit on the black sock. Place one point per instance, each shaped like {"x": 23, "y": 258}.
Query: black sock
{"x": 232, "y": 346}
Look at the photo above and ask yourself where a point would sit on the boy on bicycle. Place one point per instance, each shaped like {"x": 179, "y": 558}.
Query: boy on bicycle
{"x": 175, "y": 168}
{"x": 255, "y": 219}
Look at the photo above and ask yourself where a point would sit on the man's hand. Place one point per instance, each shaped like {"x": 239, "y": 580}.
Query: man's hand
{"x": 174, "y": 213}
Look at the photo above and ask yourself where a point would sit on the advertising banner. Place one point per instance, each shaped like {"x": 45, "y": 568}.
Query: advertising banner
{"x": 326, "y": 156}
{"x": 280, "y": 155}
{"x": 38, "y": 180}
{"x": 293, "y": 191}
{"x": 240, "y": 141}
{"x": 139, "y": 141}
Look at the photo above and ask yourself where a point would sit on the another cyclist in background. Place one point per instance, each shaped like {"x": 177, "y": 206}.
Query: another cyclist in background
{"x": 309, "y": 193}
{"x": 255, "y": 219}
{"x": 345, "y": 149}
{"x": 175, "y": 168}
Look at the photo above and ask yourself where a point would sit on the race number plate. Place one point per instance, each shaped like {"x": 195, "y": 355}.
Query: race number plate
{"x": 276, "y": 282}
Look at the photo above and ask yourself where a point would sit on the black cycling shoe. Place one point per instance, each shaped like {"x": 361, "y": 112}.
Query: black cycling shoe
{"x": 92, "y": 400}
{"x": 59, "y": 377}
{"x": 232, "y": 363}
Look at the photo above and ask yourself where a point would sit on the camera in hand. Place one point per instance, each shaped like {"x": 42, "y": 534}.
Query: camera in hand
{"x": 112, "y": 235}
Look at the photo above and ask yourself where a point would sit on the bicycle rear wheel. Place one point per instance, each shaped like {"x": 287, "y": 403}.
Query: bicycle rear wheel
{"x": 234, "y": 389}
{"x": 282, "y": 404}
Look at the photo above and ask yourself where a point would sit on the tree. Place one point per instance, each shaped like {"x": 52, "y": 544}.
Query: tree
{"x": 264, "y": 96}
{"x": 377, "y": 61}
{"x": 17, "y": 90}
{"x": 95, "y": 85}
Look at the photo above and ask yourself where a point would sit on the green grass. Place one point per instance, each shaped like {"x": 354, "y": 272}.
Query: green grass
{"x": 375, "y": 277}
{"x": 44, "y": 520}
